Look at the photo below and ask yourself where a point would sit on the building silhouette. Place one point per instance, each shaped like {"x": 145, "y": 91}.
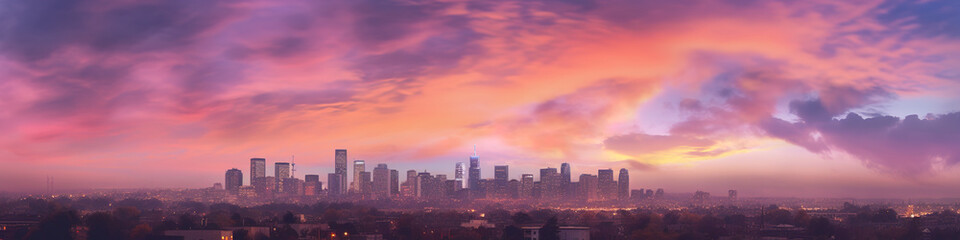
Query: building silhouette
{"x": 549, "y": 183}
{"x": 458, "y": 173}
{"x": 340, "y": 168}
{"x": 526, "y": 186}
{"x": 588, "y": 187}
{"x": 233, "y": 179}
{"x": 394, "y": 182}
{"x": 258, "y": 168}
{"x": 606, "y": 185}
{"x": 358, "y": 167}
{"x": 381, "y": 181}
{"x": 333, "y": 184}
{"x": 474, "y": 171}
{"x": 281, "y": 171}
{"x": 623, "y": 185}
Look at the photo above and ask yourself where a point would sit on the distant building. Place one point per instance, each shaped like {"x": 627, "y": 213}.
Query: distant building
{"x": 526, "y": 186}
{"x": 659, "y": 193}
{"x": 333, "y": 184}
{"x": 474, "y": 171}
{"x": 340, "y": 167}
{"x": 636, "y": 194}
{"x": 606, "y": 185}
{"x": 292, "y": 187}
{"x": 565, "y": 180}
{"x": 409, "y": 188}
{"x": 358, "y": 167}
{"x": 366, "y": 185}
{"x": 265, "y": 186}
{"x": 501, "y": 175}
{"x": 588, "y": 187}
{"x": 732, "y": 195}
{"x": 623, "y": 185}
{"x": 258, "y": 168}
{"x": 394, "y": 182}
{"x": 458, "y": 173}
{"x": 701, "y": 195}
{"x": 233, "y": 180}
{"x": 381, "y": 181}
{"x": 550, "y": 183}
{"x": 312, "y": 184}
{"x": 281, "y": 171}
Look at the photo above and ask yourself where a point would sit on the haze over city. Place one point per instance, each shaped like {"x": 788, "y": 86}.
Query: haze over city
{"x": 771, "y": 98}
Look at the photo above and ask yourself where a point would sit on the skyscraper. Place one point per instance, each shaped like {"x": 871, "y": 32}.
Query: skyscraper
{"x": 311, "y": 184}
{"x": 410, "y": 186}
{"x": 501, "y": 173}
{"x": 358, "y": 167}
{"x": 381, "y": 181}
{"x": 458, "y": 173}
{"x": 340, "y": 167}
{"x": 588, "y": 187}
{"x": 526, "y": 186}
{"x": 474, "y": 171}
{"x": 333, "y": 184}
{"x": 500, "y": 179}
{"x": 732, "y": 195}
{"x": 550, "y": 183}
{"x": 605, "y": 184}
{"x": 258, "y": 168}
{"x": 281, "y": 170}
{"x": 233, "y": 180}
{"x": 623, "y": 185}
{"x": 565, "y": 188}
{"x": 394, "y": 182}
{"x": 565, "y": 173}
{"x": 365, "y": 184}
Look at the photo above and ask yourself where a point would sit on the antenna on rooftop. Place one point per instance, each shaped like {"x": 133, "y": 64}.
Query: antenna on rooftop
{"x": 293, "y": 167}
{"x": 474, "y": 150}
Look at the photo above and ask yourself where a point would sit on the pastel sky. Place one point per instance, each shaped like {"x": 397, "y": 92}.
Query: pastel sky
{"x": 773, "y": 98}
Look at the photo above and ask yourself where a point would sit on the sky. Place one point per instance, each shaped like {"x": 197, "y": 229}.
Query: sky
{"x": 772, "y": 98}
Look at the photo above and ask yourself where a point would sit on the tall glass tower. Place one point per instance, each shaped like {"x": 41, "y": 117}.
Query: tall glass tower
{"x": 340, "y": 167}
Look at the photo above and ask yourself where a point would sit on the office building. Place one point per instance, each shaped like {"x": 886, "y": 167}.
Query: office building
{"x": 565, "y": 188}
{"x": 340, "y": 168}
{"x": 458, "y": 173}
{"x": 606, "y": 185}
{"x": 549, "y": 184}
{"x": 394, "y": 182}
{"x": 381, "y": 181}
{"x": 588, "y": 187}
{"x": 292, "y": 187}
{"x": 312, "y": 184}
{"x": 365, "y": 185}
{"x": 358, "y": 167}
{"x": 281, "y": 171}
{"x": 659, "y": 194}
{"x": 233, "y": 180}
{"x": 500, "y": 178}
{"x": 732, "y": 195}
{"x": 474, "y": 181}
{"x": 526, "y": 186}
{"x": 333, "y": 184}
{"x": 258, "y": 168}
{"x": 623, "y": 185}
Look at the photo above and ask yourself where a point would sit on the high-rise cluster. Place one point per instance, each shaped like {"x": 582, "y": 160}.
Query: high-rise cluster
{"x": 385, "y": 183}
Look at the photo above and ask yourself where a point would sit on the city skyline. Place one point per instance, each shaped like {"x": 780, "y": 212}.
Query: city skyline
{"x": 770, "y": 98}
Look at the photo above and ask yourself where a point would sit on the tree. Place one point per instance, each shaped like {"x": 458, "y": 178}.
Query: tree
{"x": 550, "y": 230}
{"x": 56, "y": 226}
{"x": 104, "y": 226}
{"x": 521, "y": 218}
{"x": 512, "y": 233}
